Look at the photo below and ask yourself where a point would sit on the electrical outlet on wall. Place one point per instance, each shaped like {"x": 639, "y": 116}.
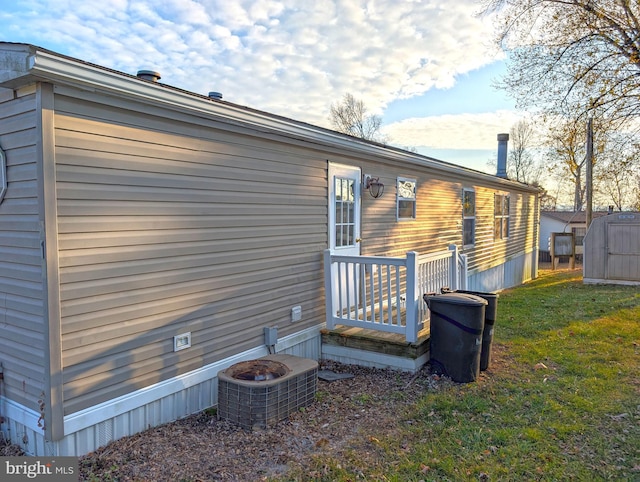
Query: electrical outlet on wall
{"x": 182, "y": 341}
{"x": 296, "y": 313}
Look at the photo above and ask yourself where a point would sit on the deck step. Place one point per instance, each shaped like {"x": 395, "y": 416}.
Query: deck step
{"x": 375, "y": 348}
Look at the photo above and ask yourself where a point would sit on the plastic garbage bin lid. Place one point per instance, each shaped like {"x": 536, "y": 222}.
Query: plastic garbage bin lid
{"x": 456, "y": 299}
{"x": 479, "y": 293}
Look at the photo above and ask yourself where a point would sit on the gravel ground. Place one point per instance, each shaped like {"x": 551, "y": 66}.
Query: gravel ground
{"x": 347, "y": 415}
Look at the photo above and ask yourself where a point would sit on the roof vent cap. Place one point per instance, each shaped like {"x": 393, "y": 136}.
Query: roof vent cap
{"x": 149, "y": 75}
{"x": 215, "y": 95}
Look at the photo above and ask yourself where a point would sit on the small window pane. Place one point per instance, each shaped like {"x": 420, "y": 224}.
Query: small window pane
{"x": 498, "y": 205}
{"x": 406, "y": 189}
{"x": 468, "y": 235}
{"x": 406, "y": 209}
{"x": 579, "y": 234}
{"x": 469, "y": 203}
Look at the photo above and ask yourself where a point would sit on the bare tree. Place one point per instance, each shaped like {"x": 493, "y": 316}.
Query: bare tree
{"x": 580, "y": 53}
{"x": 577, "y": 59}
{"x": 522, "y": 165}
{"x": 548, "y": 202}
{"x": 635, "y": 199}
{"x": 617, "y": 166}
{"x": 567, "y": 141}
{"x": 350, "y": 117}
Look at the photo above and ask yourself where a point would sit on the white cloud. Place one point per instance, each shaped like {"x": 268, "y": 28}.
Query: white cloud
{"x": 288, "y": 57}
{"x": 464, "y": 131}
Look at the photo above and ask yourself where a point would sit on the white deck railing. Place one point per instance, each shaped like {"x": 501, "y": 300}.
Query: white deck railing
{"x": 385, "y": 293}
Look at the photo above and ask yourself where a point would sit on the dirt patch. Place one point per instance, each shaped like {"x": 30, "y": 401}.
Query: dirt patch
{"x": 345, "y": 414}
{"x": 201, "y": 447}
{"x": 8, "y": 449}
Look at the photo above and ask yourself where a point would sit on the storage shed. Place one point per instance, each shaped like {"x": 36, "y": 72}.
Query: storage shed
{"x": 150, "y": 235}
{"x": 612, "y": 250}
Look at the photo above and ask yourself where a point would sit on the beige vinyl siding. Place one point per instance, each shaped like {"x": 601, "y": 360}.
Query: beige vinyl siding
{"x": 486, "y": 250}
{"x": 21, "y": 292}
{"x": 489, "y": 252}
{"x": 167, "y": 227}
{"x": 438, "y": 222}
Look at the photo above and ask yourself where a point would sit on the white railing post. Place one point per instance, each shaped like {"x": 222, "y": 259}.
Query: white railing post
{"x": 328, "y": 288}
{"x": 464, "y": 268}
{"x": 377, "y": 303}
{"x": 453, "y": 268}
{"x": 413, "y": 298}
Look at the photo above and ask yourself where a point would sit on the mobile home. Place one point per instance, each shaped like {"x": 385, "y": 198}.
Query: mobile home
{"x": 149, "y": 235}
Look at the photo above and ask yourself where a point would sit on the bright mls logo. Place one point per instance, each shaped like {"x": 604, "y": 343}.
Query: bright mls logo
{"x": 57, "y": 469}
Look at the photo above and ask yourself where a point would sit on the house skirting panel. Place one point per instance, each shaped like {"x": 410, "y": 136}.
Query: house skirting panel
{"x": 94, "y": 427}
{"x": 20, "y": 426}
{"x": 513, "y": 272}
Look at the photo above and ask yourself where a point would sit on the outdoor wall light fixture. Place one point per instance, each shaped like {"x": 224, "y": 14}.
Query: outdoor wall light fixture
{"x": 374, "y": 186}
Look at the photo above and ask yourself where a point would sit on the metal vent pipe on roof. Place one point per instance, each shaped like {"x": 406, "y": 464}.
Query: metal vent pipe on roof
{"x": 503, "y": 139}
{"x": 215, "y": 95}
{"x": 149, "y": 75}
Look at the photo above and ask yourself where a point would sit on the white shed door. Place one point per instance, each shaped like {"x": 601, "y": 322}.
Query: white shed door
{"x": 623, "y": 260}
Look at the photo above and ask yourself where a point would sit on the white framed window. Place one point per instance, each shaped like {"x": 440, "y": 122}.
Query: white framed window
{"x": 406, "y": 199}
{"x": 501, "y": 207}
{"x": 468, "y": 217}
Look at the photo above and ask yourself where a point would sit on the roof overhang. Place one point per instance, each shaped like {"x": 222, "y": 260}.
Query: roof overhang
{"x": 24, "y": 64}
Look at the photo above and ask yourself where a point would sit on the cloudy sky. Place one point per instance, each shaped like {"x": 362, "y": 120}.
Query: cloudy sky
{"x": 425, "y": 66}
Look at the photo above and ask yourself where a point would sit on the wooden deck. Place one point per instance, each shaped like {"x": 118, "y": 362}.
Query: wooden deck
{"x": 375, "y": 348}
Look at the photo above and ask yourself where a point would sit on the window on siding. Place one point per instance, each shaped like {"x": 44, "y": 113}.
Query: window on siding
{"x": 468, "y": 217}
{"x": 406, "y": 204}
{"x": 345, "y": 212}
{"x": 501, "y": 216}
{"x": 579, "y": 234}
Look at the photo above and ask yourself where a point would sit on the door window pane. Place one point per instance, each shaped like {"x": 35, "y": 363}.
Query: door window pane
{"x": 345, "y": 212}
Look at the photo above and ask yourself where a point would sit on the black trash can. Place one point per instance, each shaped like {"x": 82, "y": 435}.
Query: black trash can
{"x": 457, "y": 323}
{"x": 490, "y": 317}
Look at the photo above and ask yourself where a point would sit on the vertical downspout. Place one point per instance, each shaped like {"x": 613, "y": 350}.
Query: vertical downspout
{"x": 51, "y": 404}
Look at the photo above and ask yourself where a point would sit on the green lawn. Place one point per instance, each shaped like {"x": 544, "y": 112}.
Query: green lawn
{"x": 561, "y": 400}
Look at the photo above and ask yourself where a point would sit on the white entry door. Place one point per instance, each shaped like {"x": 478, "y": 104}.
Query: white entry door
{"x": 344, "y": 226}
